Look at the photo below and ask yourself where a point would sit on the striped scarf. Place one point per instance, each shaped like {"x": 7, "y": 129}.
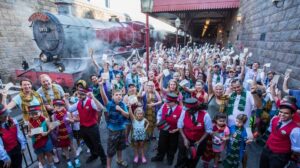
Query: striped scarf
{"x": 242, "y": 102}
{"x": 26, "y": 103}
{"x": 56, "y": 94}
{"x": 233, "y": 157}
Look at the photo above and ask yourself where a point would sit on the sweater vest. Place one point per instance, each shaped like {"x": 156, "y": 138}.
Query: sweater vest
{"x": 173, "y": 118}
{"x": 9, "y": 137}
{"x": 279, "y": 140}
{"x": 191, "y": 131}
{"x": 88, "y": 116}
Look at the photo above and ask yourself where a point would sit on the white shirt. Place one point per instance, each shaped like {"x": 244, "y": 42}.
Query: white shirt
{"x": 207, "y": 121}
{"x": 73, "y": 107}
{"x": 159, "y": 113}
{"x": 249, "y": 107}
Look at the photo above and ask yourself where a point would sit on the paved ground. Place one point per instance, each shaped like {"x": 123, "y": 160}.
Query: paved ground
{"x": 253, "y": 159}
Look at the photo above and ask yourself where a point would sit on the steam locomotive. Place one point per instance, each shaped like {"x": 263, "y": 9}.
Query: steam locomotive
{"x": 65, "y": 40}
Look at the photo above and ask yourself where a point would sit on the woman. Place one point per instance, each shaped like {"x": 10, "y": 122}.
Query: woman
{"x": 172, "y": 88}
{"x": 118, "y": 84}
{"x": 199, "y": 92}
{"x": 27, "y": 97}
{"x": 151, "y": 102}
{"x": 216, "y": 103}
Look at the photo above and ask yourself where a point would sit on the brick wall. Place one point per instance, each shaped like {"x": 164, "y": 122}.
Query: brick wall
{"x": 16, "y": 36}
{"x": 281, "y": 26}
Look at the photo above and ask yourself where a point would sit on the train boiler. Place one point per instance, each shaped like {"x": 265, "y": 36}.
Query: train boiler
{"x": 65, "y": 41}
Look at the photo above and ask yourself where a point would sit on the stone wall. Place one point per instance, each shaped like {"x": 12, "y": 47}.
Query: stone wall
{"x": 281, "y": 45}
{"x": 16, "y": 36}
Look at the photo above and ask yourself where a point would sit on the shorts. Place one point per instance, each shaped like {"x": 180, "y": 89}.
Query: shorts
{"x": 77, "y": 135}
{"x": 116, "y": 142}
{"x": 47, "y": 148}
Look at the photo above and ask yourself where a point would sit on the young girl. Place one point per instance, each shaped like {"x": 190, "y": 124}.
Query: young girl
{"x": 41, "y": 142}
{"x": 140, "y": 125}
{"x": 219, "y": 136}
{"x": 238, "y": 138}
{"x": 199, "y": 92}
{"x": 62, "y": 133}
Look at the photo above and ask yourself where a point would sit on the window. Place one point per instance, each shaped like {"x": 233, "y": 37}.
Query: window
{"x": 107, "y": 3}
{"x": 262, "y": 36}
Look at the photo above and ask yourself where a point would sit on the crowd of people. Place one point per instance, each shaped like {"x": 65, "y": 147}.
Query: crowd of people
{"x": 207, "y": 102}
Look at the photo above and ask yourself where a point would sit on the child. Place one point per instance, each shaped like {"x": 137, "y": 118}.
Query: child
{"x": 116, "y": 118}
{"x": 237, "y": 144}
{"x": 140, "y": 125}
{"x": 41, "y": 142}
{"x": 76, "y": 126}
{"x": 220, "y": 135}
{"x": 62, "y": 133}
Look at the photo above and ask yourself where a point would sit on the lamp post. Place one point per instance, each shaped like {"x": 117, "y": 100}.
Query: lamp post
{"x": 146, "y": 6}
{"x": 177, "y": 25}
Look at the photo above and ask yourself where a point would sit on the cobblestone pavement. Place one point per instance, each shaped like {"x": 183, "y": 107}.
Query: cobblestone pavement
{"x": 253, "y": 158}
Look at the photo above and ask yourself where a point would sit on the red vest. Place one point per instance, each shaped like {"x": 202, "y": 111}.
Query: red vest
{"x": 88, "y": 116}
{"x": 173, "y": 118}
{"x": 9, "y": 137}
{"x": 191, "y": 131}
{"x": 279, "y": 139}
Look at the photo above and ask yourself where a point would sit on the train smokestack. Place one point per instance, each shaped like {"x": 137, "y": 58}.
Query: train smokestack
{"x": 64, "y": 7}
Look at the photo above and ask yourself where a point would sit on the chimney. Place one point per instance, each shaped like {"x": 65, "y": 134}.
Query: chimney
{"x": 64, "y": 7}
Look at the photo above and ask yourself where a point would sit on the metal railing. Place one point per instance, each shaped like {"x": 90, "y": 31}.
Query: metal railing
{"x": 28, "y": 158}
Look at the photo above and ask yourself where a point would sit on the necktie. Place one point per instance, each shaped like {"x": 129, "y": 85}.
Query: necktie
{"x": 279, "y": 125}
{"x": 194, "y": 119}
{"x": 81, "y": 101}
{"x": 170, "y": 112}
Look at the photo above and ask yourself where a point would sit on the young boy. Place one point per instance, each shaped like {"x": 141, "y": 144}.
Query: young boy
{"x": 277, "y": 152}
{"x": 116, "y": 119}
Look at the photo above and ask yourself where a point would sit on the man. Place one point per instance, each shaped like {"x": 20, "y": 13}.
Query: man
{"x": 89, "y": 109}
{"x": 133, "y": 77}
{"x": 116, "y": 119}
{"x": 167, "y": 78}
{"x": 49, "y": 91}
{"x": 12, "y": 140}
{"x": 240, "y": 102}
{"x": 169, "y": 113}
{"x": 277, "y": 151}
{"x": 217, "y": 76}
{"x": 250, "y": 74}
{"x": 96, "y": 89}
{"x": 194, "y": 126}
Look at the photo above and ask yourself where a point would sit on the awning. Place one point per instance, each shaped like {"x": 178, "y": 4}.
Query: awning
{"x": 188, "y": 5}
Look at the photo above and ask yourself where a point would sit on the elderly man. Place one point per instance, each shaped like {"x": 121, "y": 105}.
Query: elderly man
{"x": 49, "y": 91}
{"x": 133, "y": 77}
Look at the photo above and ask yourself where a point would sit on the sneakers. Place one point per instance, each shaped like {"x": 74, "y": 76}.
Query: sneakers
{"x": 40, "y": 165}
{"x": 144, "y": 160}
{"x": 55, "y": 158}
{"x": 78, "y": 151}
{"x": 77, "y": 163}
{"x": 70, "y": 165}
{"x": 136, "y": 159}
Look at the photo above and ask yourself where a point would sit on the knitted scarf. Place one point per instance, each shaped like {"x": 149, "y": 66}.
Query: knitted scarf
{"x": 233, "y": 157}
{"x": 223, "y": 99}
{"x": 26, "y": 103}
{"x": 119, "y": 85}
{"x": 56, "y": 94}
{"x": 242, "y": 102}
